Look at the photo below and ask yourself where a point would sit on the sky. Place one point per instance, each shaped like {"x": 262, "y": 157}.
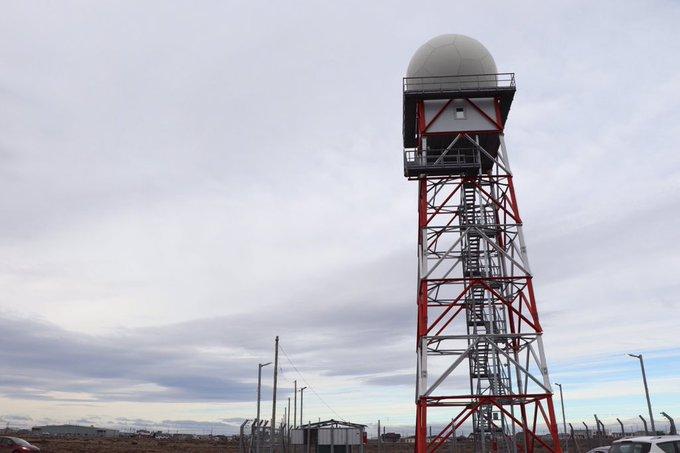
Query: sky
{"x": 181, "y": 182}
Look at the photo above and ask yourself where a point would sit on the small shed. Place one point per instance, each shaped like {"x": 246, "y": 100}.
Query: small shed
{"x": 330, "y": 436}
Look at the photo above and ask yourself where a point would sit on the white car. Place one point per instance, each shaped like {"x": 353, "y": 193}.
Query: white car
{"x": 647, "y": 444}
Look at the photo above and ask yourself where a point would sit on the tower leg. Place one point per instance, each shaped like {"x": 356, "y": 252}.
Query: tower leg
{"x": 523, "y": 410}
{"x": 421, "y": 404}
{"x": 557, "y": 445}
{"x": 421, "y": 426}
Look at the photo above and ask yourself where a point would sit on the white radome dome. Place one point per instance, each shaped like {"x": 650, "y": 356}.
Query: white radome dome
{"x": 451, "y": 55}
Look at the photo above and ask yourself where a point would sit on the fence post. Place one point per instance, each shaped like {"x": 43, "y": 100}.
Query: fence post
{"x": 623, "y": 431}
{"x": 241, "y": 443}
{"x": 673, "y": 431}
{"x": 576, "y": 445}
{"x": 644, "y": 422}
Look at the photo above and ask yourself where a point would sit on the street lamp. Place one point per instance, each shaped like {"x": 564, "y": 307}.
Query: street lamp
{"x": 257, "y": 419}
{"x": 259, "y": 385}
{"x": 644, "y": 379}
{"x": 564, "y": 419}
{"x": 295, "y": 404}
{"x": 302, "y": 395}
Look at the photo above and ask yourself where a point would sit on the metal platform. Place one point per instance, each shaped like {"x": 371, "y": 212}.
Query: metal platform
{"x": 434, "y": 162}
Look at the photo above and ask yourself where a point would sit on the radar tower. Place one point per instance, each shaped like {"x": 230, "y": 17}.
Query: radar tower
{"x": 479, "y": 340}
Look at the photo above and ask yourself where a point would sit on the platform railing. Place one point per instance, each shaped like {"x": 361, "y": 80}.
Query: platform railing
{"x": 440, "y": 84}
{"x": 441, "y": 158}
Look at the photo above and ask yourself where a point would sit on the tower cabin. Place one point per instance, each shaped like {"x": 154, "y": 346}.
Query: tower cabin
{"x": 455, "y": 107}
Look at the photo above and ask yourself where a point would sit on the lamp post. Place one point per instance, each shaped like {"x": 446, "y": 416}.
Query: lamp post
{"x": 302, "y": 395}
{"x": 644, "y": 380}
{"x": 257, "y": 419}
{"x": 295, "y": 404}
{"x": 564, "y": 419}
{"x": 276, "y": 378}
{"x": 259, "y": 386}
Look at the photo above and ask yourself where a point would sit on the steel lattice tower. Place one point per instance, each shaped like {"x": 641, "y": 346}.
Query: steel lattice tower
{"x": 479, "y": 345}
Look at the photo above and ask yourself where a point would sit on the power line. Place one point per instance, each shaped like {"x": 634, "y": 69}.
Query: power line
{"x": 309, "y": 385}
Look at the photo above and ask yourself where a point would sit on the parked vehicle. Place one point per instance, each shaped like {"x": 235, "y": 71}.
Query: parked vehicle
{"x": 647, "y": 444}
{"x": 15, "y": 445}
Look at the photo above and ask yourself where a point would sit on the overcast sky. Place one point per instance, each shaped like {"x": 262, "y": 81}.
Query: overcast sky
{"x": 183, "y": 181}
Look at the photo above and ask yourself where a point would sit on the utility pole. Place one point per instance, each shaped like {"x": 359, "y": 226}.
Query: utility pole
{"x": 288, "y": 420}
{"x": 302, "y": 395}
{"x": 276, "y": 377}
{"x": 644, "y": 379}
{"x": 564, "y": 419}
{"x": 295, "y": 406}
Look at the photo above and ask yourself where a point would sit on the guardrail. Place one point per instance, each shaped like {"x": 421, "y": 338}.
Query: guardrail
{"x": 441, "y": 158}
{"x": 478, "y": 82}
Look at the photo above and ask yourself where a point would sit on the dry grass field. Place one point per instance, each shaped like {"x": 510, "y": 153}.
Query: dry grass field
{"x": 60, "y": 445}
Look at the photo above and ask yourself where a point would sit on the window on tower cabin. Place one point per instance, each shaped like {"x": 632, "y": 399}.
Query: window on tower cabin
{"x": 460, "y": 113}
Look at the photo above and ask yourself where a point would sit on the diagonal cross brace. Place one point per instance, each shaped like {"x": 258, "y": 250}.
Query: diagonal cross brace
{"x": 524, "y": 370}
{"x": 450, "y": 369}
{"x": 502, "y": 252}
{"x": 486, "y": 153}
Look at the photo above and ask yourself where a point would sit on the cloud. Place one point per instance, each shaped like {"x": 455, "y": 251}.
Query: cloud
{"x": 202, "y": 359}
{"x": 389, "y": 380}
